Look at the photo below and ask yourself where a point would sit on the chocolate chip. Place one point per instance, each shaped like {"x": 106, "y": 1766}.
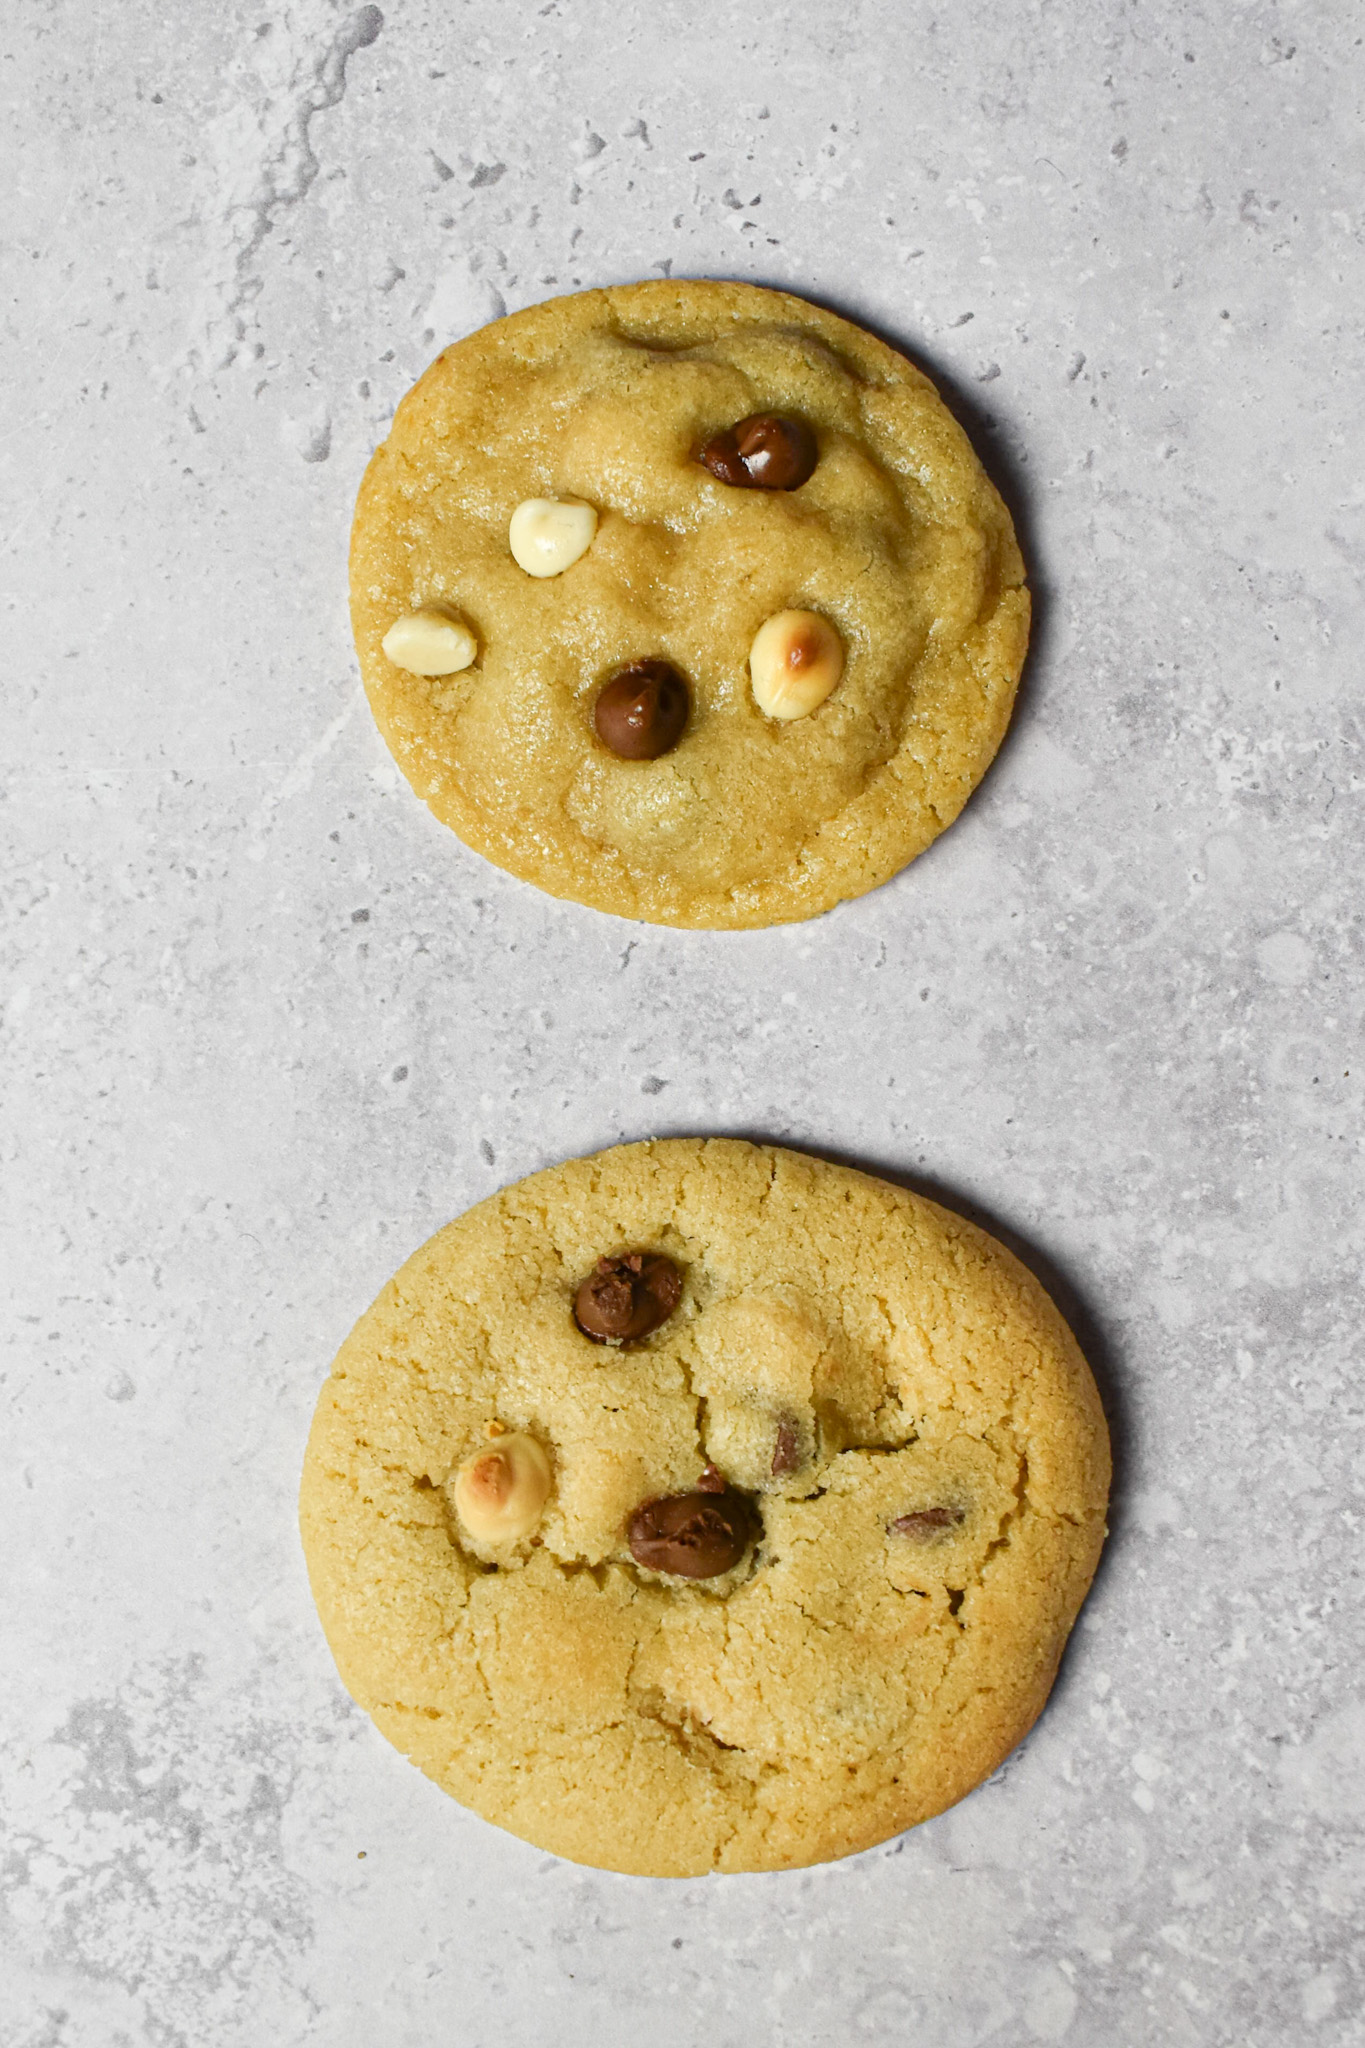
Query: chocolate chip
{"x": 641, "y": 712}
{"x": 926, "y": 1522}
{"x": 786, "y": 1456}
{"x": 625, "y": 1298}
{"x": 691, "y": 1535}
{"x": 711, "y": 1480}
{"x": 722, "y": 457}
{"x": 768, "y": 451}
{"x": 778, "y": 452}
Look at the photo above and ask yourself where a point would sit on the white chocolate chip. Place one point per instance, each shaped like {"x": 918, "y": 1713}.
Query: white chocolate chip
{"x": 500, "y": 1493}
{"x": 547, "y": 535}
{"x": 434, "y": 641}
{"x": 796, "y": 660}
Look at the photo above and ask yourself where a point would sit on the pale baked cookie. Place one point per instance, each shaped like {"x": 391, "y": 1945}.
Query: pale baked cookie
{"x": 704, "y": 1506}
{"x": 543, "y": 505}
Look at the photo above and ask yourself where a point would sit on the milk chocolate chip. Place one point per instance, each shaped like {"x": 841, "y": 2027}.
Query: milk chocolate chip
{"x": 786, "y": 1456}
{"x": 641, "y": 712}
{"x": 692, "y": 1535}
{"x": 625, "y": 1298}
{"x": 769, "y": 451}
{"x": 926, "y": 1522}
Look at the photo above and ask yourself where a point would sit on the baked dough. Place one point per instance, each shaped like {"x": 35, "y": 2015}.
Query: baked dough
{"x": 918, "y": 1437}
{"x": 898, "y": 539}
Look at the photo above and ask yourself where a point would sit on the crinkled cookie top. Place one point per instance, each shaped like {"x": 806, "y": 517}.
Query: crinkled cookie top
{"x": 784, "y": 1572}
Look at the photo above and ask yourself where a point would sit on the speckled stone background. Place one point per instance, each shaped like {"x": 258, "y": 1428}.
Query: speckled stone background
{"x": 266, "y": 1025}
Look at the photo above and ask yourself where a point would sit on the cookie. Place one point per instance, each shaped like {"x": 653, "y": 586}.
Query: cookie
{"x": 760, "y": 515}
{"x": 704, "y": 1506}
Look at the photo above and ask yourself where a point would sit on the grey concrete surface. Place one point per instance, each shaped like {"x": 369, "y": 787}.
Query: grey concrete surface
{"x": 265, "y": 1025}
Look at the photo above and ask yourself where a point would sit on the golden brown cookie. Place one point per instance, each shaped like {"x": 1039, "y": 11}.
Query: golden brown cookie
{"x": 705, "y": 1506}
{"x": 573, "y": 433}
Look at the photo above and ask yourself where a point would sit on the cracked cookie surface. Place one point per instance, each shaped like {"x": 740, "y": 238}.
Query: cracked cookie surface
{"x": 898, "y": 539}
{"x": 911, "y": 1419}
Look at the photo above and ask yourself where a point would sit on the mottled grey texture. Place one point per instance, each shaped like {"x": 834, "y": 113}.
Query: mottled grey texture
{"x": 266, "y": 1025}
